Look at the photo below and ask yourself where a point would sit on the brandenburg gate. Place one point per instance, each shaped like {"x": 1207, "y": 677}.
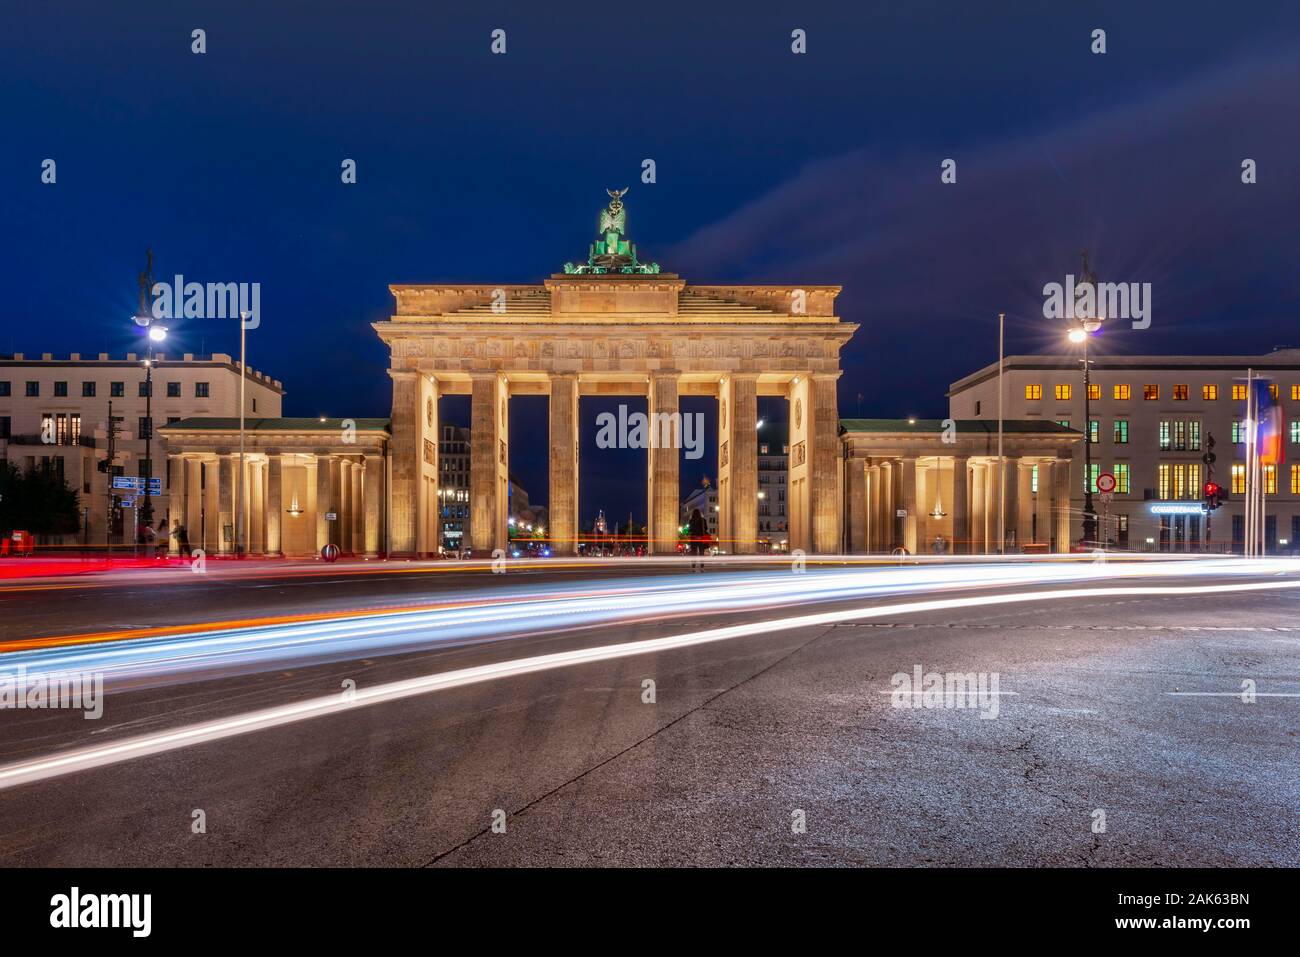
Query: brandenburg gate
{"x": 615, "y": 326}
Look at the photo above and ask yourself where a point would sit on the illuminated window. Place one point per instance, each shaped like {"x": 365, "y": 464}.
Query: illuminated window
{"x": 1239, "y": 392}
{"x": 1270, "y": 479}
{"x": 1121, "y": 431}
{"x": 1295, "y": 393}
{"x": 1180, "y": 435}
{"x": 1151, "y": 392}
{"x": 1165, "y": 443}
{"x": 1090, "y": 480}
{"x": 1238, "y": 478}
{"x": 1121, "y": 473}
{"x": 1209, "y": 393}
{"x": 1238, "y": 431}
{"x": 1094, "y": 393}
{"x": 1163, "y": 480}
{"x": 1064, "y": 392}
{"x": 1094, "y": 430}
{"x": 1272, "y": 391}
{"x": 1121, "y": 392}
{"x": 1063, "y": 423}
{"x": 1295, "y": 430}
{"x": 1180, "y": 393}
{"x": 1033, "y": 391}
{"x": 1295, "y": 479}
{"x": 1033, "y": 480}
{"x": 1194, "y": 435}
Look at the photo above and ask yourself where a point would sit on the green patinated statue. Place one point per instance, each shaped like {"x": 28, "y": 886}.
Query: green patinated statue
{"x": 613, "y": 252}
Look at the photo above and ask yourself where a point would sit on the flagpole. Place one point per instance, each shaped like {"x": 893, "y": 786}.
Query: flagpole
{"x": 1002, "y": 467}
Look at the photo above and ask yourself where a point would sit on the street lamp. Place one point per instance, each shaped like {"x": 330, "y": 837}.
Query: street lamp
{"x": 1080, "y": 335}
{"x": 155, "y": 333}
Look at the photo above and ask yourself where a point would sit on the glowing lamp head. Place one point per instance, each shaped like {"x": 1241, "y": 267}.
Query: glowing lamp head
{"x": 1077, "y": 335}
{"x": 157, "y": 333}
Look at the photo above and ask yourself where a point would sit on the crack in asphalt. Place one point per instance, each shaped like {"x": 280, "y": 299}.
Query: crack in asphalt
{"x": 540, "y": 799}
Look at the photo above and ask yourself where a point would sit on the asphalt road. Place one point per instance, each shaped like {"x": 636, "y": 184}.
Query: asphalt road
{"x": 745, "y": 738}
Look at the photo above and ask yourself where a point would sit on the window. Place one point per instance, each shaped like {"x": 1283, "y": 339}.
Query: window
{"x": 1295, "y": 478}
{"x": 1194, "y": 435}
{"x": 978, "y": 404}
{"x": 143, "y": 389}
{"x": 146, "y": 428}
{"x": 1295, "y": 393}
{"x": 1272, "y": 391}
{"x": 1210, "y": 393}
{"x": 1121, "y": 472}
{"x": 1090, "y": 480}
{"x": 1121, "y": 392}
{"x": 1121, "y": 431}
{"x": 1033, "y": 480}
{"x": 1180, "y": 435}
{"x": 5, "y": 425}
{"x": 87, "y": 390}
{"x": 1239, "y": 392}
{"x": 4, "y": 389}
{"x": 60, "y": 390}
{"x": 762, "y": 449}
{"x": 1063, "y": 423}
{"x": 1180, "y": 393}
{"x": 200, "y": 390}
{"x": 1151, "y": 392}
{"x": 1270, "y": 479}
{"x": 1238, "y": 477}
{"x": 1295, "y": 430}
{"x": 1166, "y": 443}
{"x": 173, "y": 390}
{"x": 1094, "y": 392}
{"x": 33, "y": 389}
{"x": 1094, "y": 431}
{"x": 1033, "y": 391}
{"x": 1064, "y": 392}
{"x": 1164, "y": 472}
{"x": 1238, "y": 432}
{"x": 117, "y": 389}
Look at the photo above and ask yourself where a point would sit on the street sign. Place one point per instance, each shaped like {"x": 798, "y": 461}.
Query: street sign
{"x": 131, "y": 483}
{"x": 900, "y": 512}
{"x": 1105, "y": 483}
{"x": 331, "y": 516}
{"x": 128, "y": 503}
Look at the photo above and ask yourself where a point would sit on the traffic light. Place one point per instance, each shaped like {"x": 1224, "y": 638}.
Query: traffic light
{"x": 1213, "y": 495}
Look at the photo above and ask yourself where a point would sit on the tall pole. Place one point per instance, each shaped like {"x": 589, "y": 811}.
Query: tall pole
{"x": 1249, "y": 521}
{"x": 1089, "y": 516}
{"x": 1002, "y": 468}
{"x": 239, "y": 479}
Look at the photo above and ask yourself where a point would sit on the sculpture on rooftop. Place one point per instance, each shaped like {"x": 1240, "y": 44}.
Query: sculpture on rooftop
{"x": 613, "y": 252}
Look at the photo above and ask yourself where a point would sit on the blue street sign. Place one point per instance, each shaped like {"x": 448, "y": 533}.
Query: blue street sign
{"x": 130, "y": 483}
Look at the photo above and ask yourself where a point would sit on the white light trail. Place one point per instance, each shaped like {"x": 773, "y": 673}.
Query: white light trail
{"x": 83, "y": 759}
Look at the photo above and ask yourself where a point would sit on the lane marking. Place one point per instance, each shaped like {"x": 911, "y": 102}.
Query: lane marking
{"x": 83, "y": 759}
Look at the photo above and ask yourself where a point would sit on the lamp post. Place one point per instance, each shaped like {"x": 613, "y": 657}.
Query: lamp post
{"x": 155, "y": 333}
{"x": 1080, "y": 335}
{"x": 239, "y": 477}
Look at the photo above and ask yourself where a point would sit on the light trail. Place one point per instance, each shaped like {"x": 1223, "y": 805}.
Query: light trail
{"x": 87, "y": 758}
{"x": 163, "y": 655}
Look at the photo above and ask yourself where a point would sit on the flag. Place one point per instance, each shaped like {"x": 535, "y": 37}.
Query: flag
{"x": 1268, "y": 415}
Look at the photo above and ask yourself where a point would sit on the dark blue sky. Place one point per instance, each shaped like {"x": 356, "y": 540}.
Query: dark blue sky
{"x": 771, "y": 167}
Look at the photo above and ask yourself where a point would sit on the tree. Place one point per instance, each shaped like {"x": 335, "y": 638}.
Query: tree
{"x": 38, "y": 501}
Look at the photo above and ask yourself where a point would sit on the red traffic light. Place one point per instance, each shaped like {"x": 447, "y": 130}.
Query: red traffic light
{"x": 1211, "y": 489}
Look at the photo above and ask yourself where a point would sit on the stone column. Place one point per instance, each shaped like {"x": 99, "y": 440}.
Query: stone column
{"x": 1010, "y": 505}
{"x": 226, "y": 504}
{"x": 487, "y": 461}
{"x": 664, "y": 425}
{"x": 743, "y": 457}
{"x": 563, "y": 506}
{"x": 178, "y": 504}
{"x": 824, "y": 457}
{"x": 961, "y": 532}
{"x": 324, "y": 498}
{"x": 256, "y": 509}
{"x": 274, "y": 503}
{"x": 977, "y": 517}
{"x": 907, "y": 479}
{"x": 357, "y": 533}
{"x": 193, "y": 517}
{"x": 1061, "y": 496}
{"x": 403, "y": 510}
{"x": 374, "y": 490}
{"x": 1024, "y": 515}
{"x": 343, "y": 531}
{"x": 1043, "y": 503}
{"x": 859, "y": 484}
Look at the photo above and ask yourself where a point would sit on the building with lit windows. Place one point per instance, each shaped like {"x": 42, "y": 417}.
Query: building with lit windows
{"x": 1162, "y": 426}
{"x": 773, "y": 461}
{"x": 54, "y": 413}
{"x": 453, "y": 487}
